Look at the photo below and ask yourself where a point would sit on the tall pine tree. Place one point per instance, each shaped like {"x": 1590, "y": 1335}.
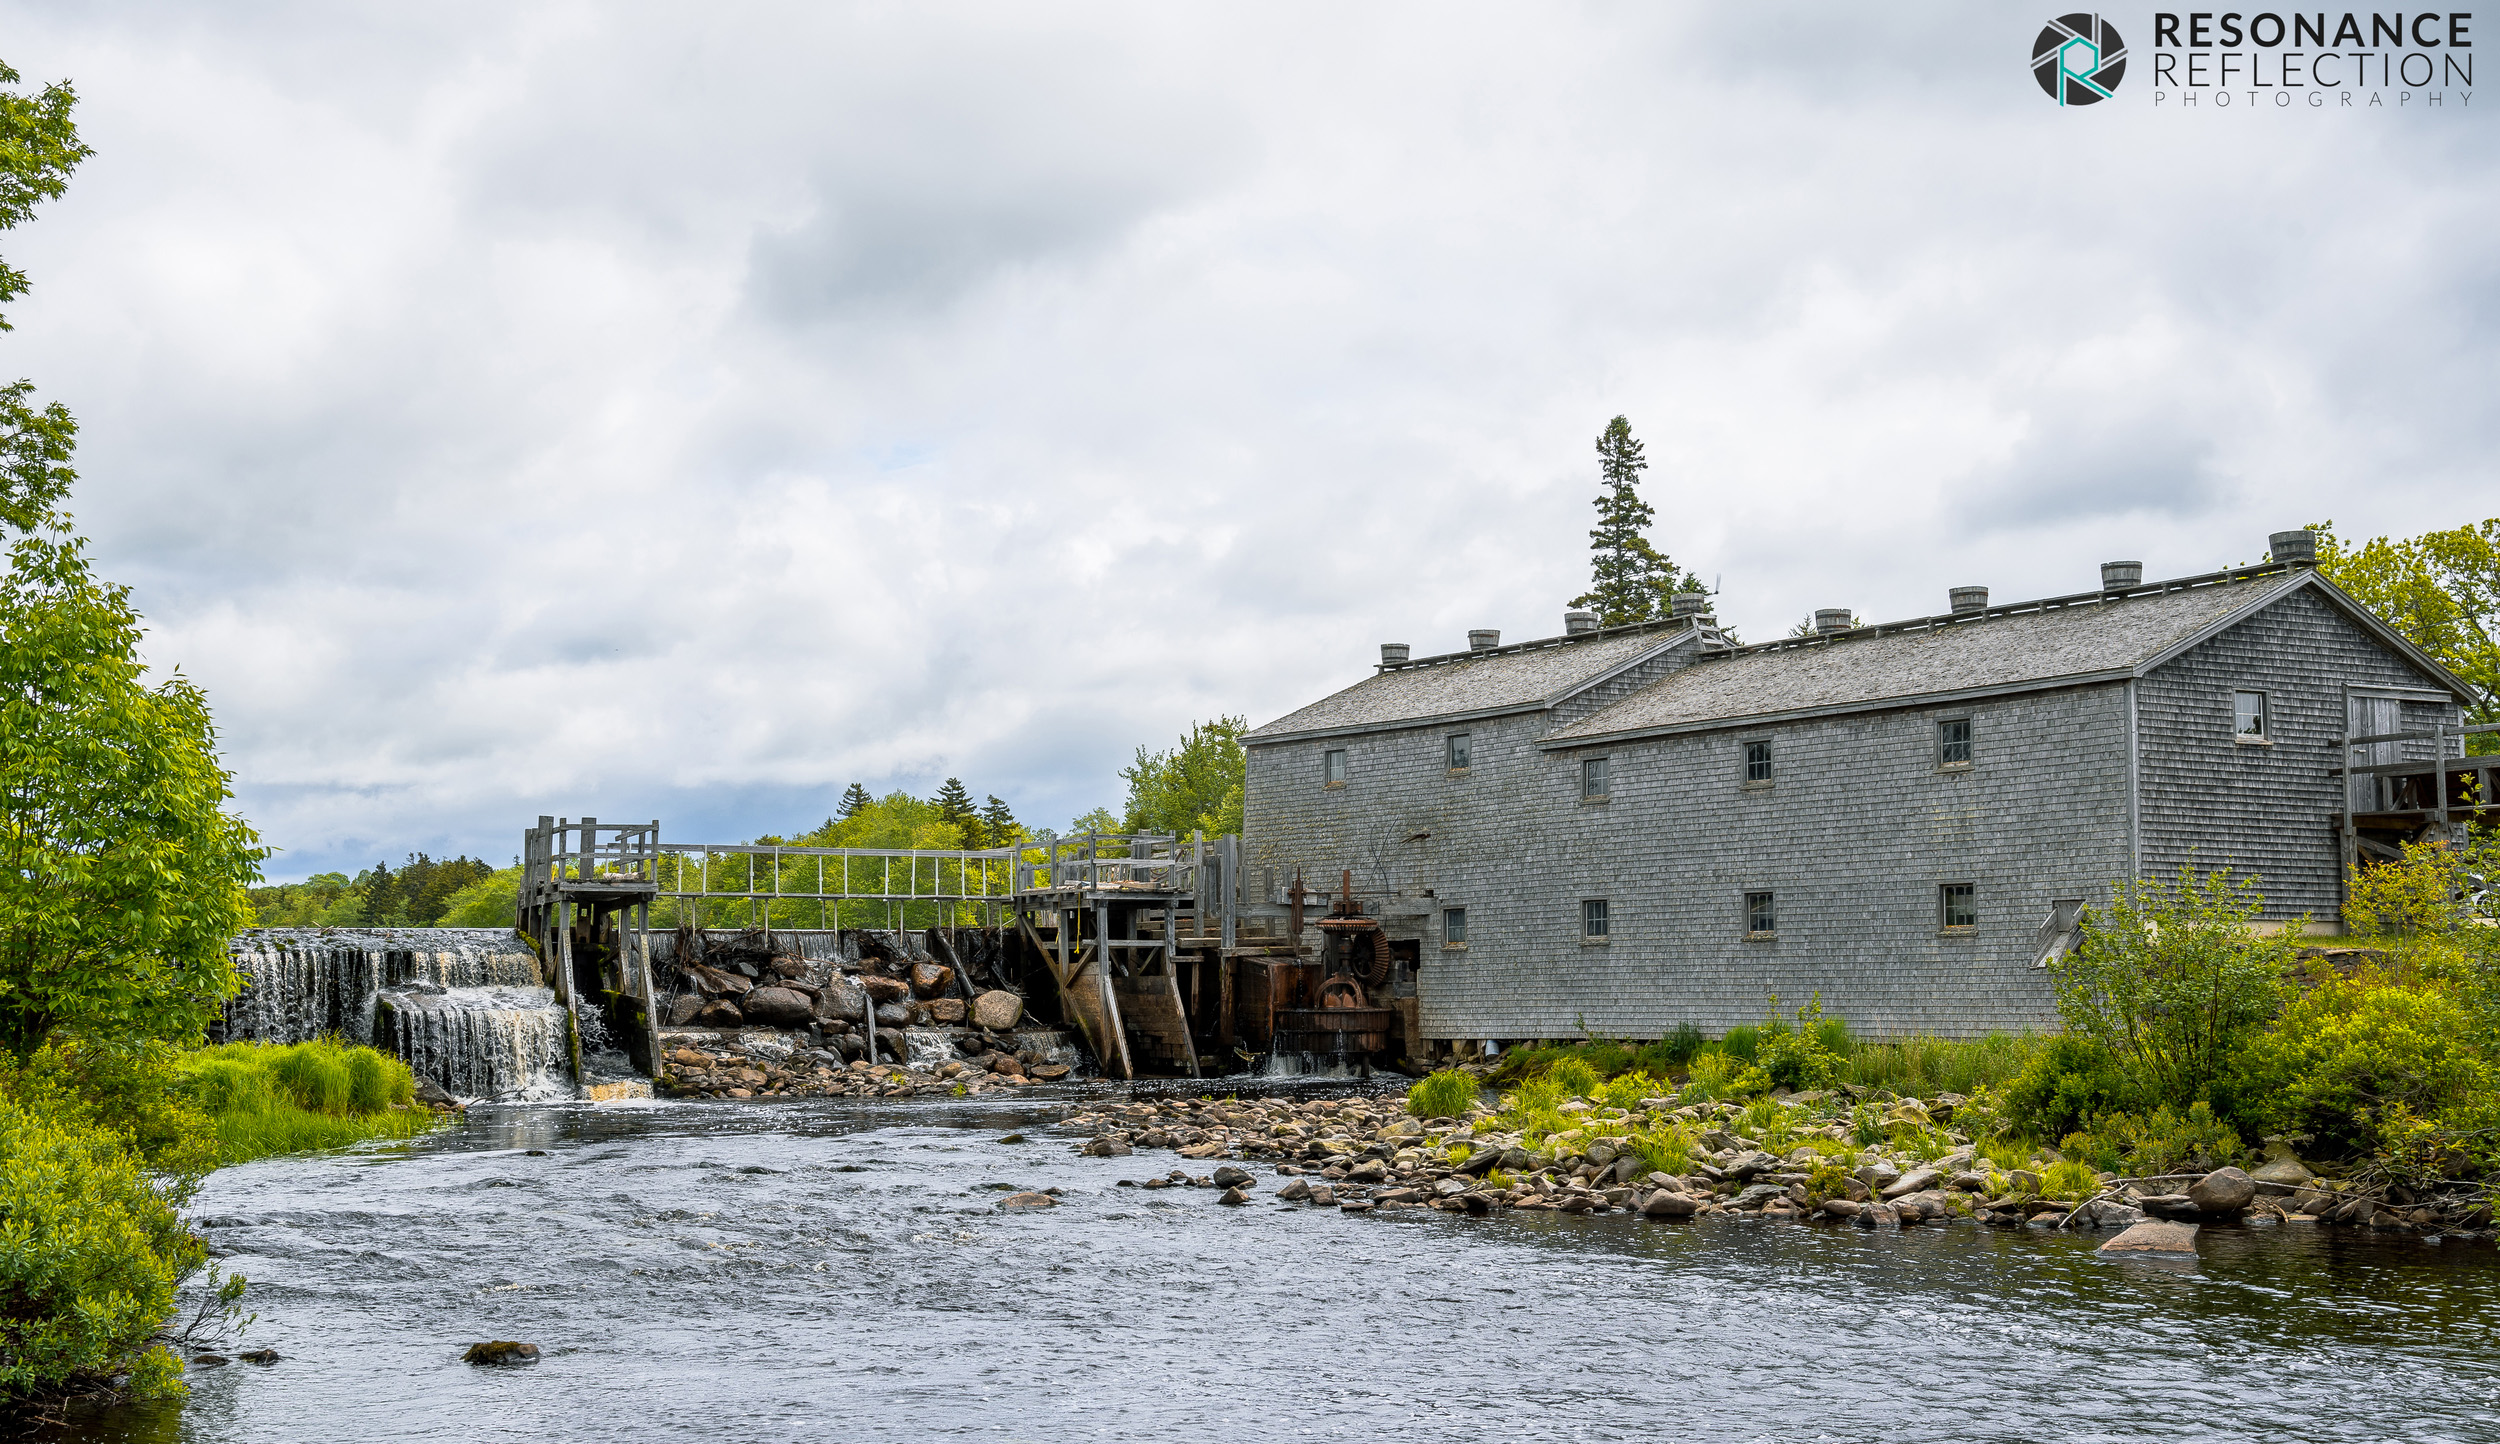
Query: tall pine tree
{"x": 954, "y": 806}
{"x": 854, "y": 800}
{"x": 1631, "y": 581}
{"x": 998, "y": 825}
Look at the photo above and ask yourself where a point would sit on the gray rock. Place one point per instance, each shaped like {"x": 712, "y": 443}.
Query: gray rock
{"x": 1231, "y": 1177}
{"x": 1480, "y": 1162}
{"x": 1601, "y": 1152}
{"x": 2224, "y": 1191}
{"x": 1028, "y": 1200}
{"x": 842, "y": 1000}
{"x": 1669, "y": 1203}
{"x": 893, "y": 1015}
{"x": 1107, "y": 1148}
{"x": 1294, "y": 1192}
{"x": 1970, "y": 1182}
{"x": 1746, "y": 1165}
{"x": 1324, "y": 1196}
{"x": 1843, "y": 1207}
{"x": 1757, "y": 1194}
{"x": 1235, "y": 1196}
{"x": 777, "y": 1007}
{"x": 2288, "y": 1171}
{"x": 1909, "y": 1183}
{"x": 2153, "y": 1236}
{"x": 1878, "y": 1176}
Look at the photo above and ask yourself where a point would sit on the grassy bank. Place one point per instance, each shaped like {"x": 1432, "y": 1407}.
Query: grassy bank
{"x": 268, "y": 1099}
{"x": 1917, "y": 1066}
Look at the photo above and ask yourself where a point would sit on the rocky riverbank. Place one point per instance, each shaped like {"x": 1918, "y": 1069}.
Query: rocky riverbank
{"x": 1798, "y": 1161}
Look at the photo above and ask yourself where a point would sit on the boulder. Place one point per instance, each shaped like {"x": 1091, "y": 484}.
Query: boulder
{"x": 2288, "y": 1171}
{"x": 777, "y": 1007}
{"x": 1106, "y": 1148}
{"x": 787, "y": 967}
{"x": 1842, "y": 1207}
{"x": 929, "y": 980}
{"x": 1480, "y": 1162}
{"x": 2153, "y": 1236}
{"x": 1235, "y": 1196}
{"x": 719, "y": 1013}
{"x": 945, "y": 1010}
{"x": 884, "y": 989}
{"x": 1669, "y": 1203}
{"x": 1370, "y": 1170}
{"x": 683, "y": 1007}
{"x": 433, "y": 1094}
{"x": 1324, "y": 1196}
{"x": 893, "y": 1015}
{"x": 501, "y": 1351}
{"x": 997, "y": 1009}
{"x": 842, "y": 1000}
{"x": 1914, "y": 1181}
{"x": 1756, "y": 1195}
{"x": 2224, "y": 1191}
{"x": 1005, "y": 1064}
{"x": 1047, "y": 1071}
{"x": 1746, "y": 1165}
{"x": 1294, "y": 1192}
{"x": 1231, "y": 1177}
{"x": 1878, "y": 1175}
{"x": 1031, "y": 1200}
{"x": 1602, "y": 1152}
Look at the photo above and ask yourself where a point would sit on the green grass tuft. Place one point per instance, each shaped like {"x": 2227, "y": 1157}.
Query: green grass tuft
{"x": 269, "y": 1099}
{"x": 1446, "y": 1094}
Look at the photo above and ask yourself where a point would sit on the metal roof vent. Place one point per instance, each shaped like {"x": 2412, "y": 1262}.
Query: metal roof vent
{"x": 1392, "y": 653}
{"x": 1575, "y": 622}
{"x": 1828, "y": 620}
{"x": 1969, "y": 599}
{"x": 1483, "y": 639}
{"x": 1690, "y": 604}
{"x": 2294, "y": 548}
{"x": 2121, "y": 576}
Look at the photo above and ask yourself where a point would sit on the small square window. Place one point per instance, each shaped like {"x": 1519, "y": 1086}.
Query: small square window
{"x": 1757, "y": 762}
{"x": 1453, "y": 927}
{"x": 1332, "y": 767}
{"x": 1458, "y": 752}
{"x": 1953, "y": 743}
{"x": 1593, "y": 918}
{"x": 1761, "y": 913}
{"x": 2248, "y": 716}
{"x": 1957, "y": 905}
{"x": 1593, "y": 777}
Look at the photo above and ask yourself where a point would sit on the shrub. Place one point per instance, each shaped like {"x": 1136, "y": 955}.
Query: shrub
{"x": 2068, "y": 1083}
{"x": 1628, "y": 1089}
{"x": 2068, "y": 1179}
{"x": 1708, "y": 1078}
{"x": 2170, "y": 982}
{"x": 2163, "y": 1141}
{"x": 1446, "y": 1094}
{"x": 1797, "y": 1058}
{"x": 1828, "y": 1180}
{"x": 1574, "y": 1076}
{"x": 2349, "y": 1050}
{"x": 1866, "y": 1125}
{"x": 1679, "y": 1047}
{"x": 91, "y": 1253}
{"x": 1741, "y": 1042}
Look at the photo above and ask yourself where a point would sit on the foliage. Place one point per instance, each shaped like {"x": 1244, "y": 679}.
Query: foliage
{"x": 1866, "y": 1125}
{"x": 1926, "y": 1066}
{"x": 1627, "y": 1090}
{"x": 1630, "y": 579}
{"x": 2067, "y": 1179}
{"x": 1197, "y": 785}
{"x": 267, "y": 1099}
{"x": 420, "y": 894}
{"x": 1742, "y": 1042}
{"x": 1710, "y": 1078}
{"x": 1828, "y": 1180}
{"x": 1664, "y": 1150}
{"x": 2165, "y": 1140}
{"x": 2436, "y": 911}
{"x": 2067, "y": 1084}
{"x": 492, "y": 901}
{"x": 2351, "y": 1049}
{"x": 954, "y": 808}
{"x": 39, "y": 147}
{"x": 1574, "y": 1076}
{"x": 2441, "y": 590}
{"x": 1446, "y": 1094}
{"x": 1798, "y": 1058}
{"x": 2170, "y": 981}
{"x": 1678, "y": 1047}
{"x": 854, "y": 797}
{"x": 92, "y": 1251}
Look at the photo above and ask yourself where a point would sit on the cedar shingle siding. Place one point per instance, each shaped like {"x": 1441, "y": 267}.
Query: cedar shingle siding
{"x": 1858, "y": 828}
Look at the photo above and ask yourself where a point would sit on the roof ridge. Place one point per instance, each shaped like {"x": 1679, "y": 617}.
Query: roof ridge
{"x": 2011, "y": 609}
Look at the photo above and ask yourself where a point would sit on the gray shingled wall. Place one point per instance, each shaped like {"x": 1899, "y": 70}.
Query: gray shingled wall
{"x": 2211, "y": 801}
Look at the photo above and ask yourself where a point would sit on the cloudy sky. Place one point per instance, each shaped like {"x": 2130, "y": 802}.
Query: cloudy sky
{"x": 687, "y": 411}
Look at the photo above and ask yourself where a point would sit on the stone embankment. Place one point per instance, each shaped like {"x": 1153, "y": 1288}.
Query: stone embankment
{"x": 1362, "y": 1154}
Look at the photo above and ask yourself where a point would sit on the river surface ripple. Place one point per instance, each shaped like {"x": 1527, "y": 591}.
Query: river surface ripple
{"x": 836, "y": 1270}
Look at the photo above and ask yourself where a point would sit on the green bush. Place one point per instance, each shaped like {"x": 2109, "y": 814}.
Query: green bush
{"x": 1446, "y": 1094}
{"x": 2348, "y": 1050}
{"x": 91, "y": 1253}
{"x": 2165, "y": 1140}
{"x": 1741, "y": 1042}
{"x": 1797, "y": 1058}
{"x": 2070, "y": 1180}
{"x": 2068, "y": 1083}
{"x": 1574, "y": 1076}
{"x": 1626, "y": 1090}
{"x": 1678, "y": 1048}
{"x": 1708, "y": 1079}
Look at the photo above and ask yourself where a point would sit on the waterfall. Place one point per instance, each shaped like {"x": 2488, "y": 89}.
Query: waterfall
{"x": 466, "y": 1007}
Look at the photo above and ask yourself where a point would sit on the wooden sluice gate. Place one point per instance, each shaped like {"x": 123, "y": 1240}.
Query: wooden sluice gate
{"x": 1146, "y": 946}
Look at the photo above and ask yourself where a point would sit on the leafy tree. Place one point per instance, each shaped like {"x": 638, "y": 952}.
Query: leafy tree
{"x": 853, "y": 801}
{"x": 1195, "y": 785}
{"x": 1632, "y": 581}
{"x": 39, "y": 147}
{"x": 1101, "y": 819}
{"x": 2441, "y": 590}
{"x": 2170, "y": 982}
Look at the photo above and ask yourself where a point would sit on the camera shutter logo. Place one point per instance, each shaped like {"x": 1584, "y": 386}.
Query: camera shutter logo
{"x": 2079, "y": 59}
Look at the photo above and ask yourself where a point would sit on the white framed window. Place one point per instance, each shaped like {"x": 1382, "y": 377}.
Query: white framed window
{"x": 1453, "y": 927}
{"x": 1593, "y": 782}
{"x": 1594, "y": 922}
{"x": 1757, "y": 762}
{"x": 1459, "y": 754}
{"x": 2249, "y": 721}
{"x": 1332, "y": 767}
{"x": 1762, "y": 916}
{"x": 1957, "y": 906}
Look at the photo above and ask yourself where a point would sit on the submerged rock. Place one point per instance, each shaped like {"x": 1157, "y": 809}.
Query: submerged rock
{"x": 501, "y": 1351}
{"x": 2154, "y": 1236}
{"x": 1031, "y": 1200}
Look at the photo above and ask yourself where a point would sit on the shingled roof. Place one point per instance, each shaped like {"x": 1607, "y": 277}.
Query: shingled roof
{"x": 1513, "y": 679}
{"x": 2025, "y": 647}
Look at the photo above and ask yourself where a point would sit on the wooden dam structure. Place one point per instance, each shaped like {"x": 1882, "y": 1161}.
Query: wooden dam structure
{"x": 1148, "y": 945}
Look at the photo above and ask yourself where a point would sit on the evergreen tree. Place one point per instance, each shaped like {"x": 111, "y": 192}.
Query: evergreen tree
{"x": 854, "y": 800}
{"x": 998, "y": 825}
{"x": 1631, "y": 581}
{"x": 954, "y": 807}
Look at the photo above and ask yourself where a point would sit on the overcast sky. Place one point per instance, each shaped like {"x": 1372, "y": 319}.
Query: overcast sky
{"x": 685, "y": 412}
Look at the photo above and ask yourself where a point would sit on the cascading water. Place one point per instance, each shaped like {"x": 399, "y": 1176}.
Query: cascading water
{"x": 465, "y": 1006}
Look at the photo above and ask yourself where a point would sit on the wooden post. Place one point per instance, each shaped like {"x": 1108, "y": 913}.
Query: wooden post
{"x": 1110, "y": 999}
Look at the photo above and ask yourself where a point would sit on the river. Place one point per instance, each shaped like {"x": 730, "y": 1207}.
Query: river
{"x": 835, "y": 1270}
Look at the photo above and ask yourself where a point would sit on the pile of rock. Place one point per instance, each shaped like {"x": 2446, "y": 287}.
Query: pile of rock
{"x": 1358, "y": 1154}
{"x": 753, "y": 1064}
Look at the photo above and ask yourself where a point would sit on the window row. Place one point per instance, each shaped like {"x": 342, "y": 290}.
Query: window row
{"x": 1953, "y": 750}
{"x": 1957, "y": 910}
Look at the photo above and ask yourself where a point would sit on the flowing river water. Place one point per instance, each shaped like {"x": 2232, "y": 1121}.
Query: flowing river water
{"x": 837, "y": 1270}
